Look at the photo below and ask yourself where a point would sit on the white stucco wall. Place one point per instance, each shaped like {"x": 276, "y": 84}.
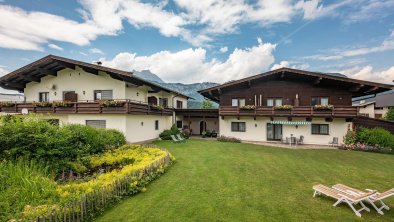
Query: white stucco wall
{"x": 256, "y": 130}
{"x": 368, "y": 109}
{"x": 74, "y": 80}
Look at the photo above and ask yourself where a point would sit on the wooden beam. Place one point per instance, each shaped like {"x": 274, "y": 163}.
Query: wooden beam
{"x": 372, "y": 89}
{"x": 14, "y": 85}
{"x": 65, "y": 65}
{"x": 31, "y": 78}
{"x": 282, "y": 75}
{"x": 47, "y": 72}
{"x": 356, "y": 88}
{"x": 219, "y": 91}
{"x": 249, "y": 84}
{"x": 90, "y": 70}
{"x": 317, "y": 81}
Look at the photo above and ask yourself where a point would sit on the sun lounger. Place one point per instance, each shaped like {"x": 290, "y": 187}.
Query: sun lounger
{"x": 174, "y": 139}
{"x": 180, "y": 138}
{"x": 378, "y": 197}
{"x": 343, "y": 197}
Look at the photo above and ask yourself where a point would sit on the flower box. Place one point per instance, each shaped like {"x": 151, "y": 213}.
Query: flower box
{"x": 159, "y": 108}
{"x": 42, "y": 104}
{"x": 7, "y": 104}
{"x": 323, "y": 107}
{"x": 247, "y": 107}
{"x": 112, "y": 103}
{"x": 283, "y": 108}
{"x": 62, "y": 104}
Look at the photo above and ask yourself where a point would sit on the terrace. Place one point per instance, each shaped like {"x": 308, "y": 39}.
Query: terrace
{"x": 87, "y": 107}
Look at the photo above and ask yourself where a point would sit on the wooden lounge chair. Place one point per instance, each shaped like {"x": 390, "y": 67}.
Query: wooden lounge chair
{"x": 343, "y": 197}
{"x": 378, "y": 197}
{"x": 174, "y": 139}
{"x": 180, "y": 138}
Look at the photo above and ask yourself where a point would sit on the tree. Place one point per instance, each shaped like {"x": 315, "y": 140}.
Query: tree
{"x": 390, "y": 114}
{"x": 206, "y": 104}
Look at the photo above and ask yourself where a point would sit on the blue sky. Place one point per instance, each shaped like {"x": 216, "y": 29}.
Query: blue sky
{"x": 207, "y": 40}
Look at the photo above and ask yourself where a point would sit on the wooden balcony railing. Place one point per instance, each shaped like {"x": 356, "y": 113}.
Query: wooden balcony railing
{"x": 301, "y": 111}
{"x": 89, "y": 107}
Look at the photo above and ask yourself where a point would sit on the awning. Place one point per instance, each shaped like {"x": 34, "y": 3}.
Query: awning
{"x": 291, "y": 122}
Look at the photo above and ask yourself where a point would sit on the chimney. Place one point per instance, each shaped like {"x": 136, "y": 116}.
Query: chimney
{"x": 99, "y": 63}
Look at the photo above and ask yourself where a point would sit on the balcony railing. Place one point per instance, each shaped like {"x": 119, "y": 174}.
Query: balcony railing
{"x": 301, "y": 111}
{"x": 88, "y": 107}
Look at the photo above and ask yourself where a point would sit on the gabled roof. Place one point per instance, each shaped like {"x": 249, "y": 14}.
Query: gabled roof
{"x": 51, "y": 64}
{"x": 355, "y": 86}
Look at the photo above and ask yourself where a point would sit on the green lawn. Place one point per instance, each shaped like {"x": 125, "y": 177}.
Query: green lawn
{"x": 214, "y": 181}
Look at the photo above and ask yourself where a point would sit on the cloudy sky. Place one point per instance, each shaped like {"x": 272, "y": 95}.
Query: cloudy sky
{"x": 206, "y": 40}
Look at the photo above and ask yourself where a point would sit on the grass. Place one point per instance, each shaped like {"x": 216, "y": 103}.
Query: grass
{"x": 216, "y": 181}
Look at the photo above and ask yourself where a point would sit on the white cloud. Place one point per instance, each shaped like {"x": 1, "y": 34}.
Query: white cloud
{"x": 224, "y": 49}
{"x": 370, "y": 74}
{"x": 387, "y": 44}
{"x": 53, "y": 46}
{"x": 288, "y": 64}
{"x": 371, "y": 10}
{"x": 96, "y": 51}
{"x": 82, "y": 53}
{"x": 193, "y": 66}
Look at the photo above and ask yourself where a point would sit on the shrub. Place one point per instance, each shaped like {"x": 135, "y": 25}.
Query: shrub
{"x": 166, "y": 134}
{"x": 34, "y": 138}
{"x": 24, "y": 182}
{"x": 350, "y": 137}
{"x": 390, "y": 114}
{"x": 375, "y": 137}
{"x": 228, "y": 139}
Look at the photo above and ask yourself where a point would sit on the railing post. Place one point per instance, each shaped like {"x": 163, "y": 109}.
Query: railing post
{"x": 311, "y": 110}
{"x": 128, "y": 106}
{"x": 76, "y": 107}
{"x": 332, "y": 111}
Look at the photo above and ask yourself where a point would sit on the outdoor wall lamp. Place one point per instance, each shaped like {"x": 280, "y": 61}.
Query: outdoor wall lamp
{"x": 83, "y": 92}
{"x": 142, "y": 123}
{"x": 138, "y": 93}
{"x": 55, "y": 93}
{"x": 255, "y": 125}
{"x": 296, "y": 126}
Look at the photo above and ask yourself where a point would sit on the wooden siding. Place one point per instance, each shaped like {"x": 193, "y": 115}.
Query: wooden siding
{"x": 90, "y": 108}
{"x": 286, "y": 90}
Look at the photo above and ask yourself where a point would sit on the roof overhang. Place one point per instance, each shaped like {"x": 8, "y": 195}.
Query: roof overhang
{"x": 51, "y": 64}
{"x": 355, "y": 86}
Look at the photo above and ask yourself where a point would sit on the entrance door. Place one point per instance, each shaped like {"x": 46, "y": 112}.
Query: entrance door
{"x": 274, "y": 131}
{"x": 203, "y": 126}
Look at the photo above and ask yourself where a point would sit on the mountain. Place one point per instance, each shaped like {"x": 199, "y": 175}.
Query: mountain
{"x": 187, "y": 89}
{"x": 148, "y": 75}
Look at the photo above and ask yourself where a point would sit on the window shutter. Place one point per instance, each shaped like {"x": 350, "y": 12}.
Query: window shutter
{"x": 106, "y": 94}
{"x": 96, "y": 123}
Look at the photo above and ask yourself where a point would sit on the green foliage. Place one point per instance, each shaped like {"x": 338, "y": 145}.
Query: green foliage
{"x": 375, "y": 137}
{"x": 350, "y": 138}
{"x": 24, "y": 182}
{"x": 390, "y": 114}
{"x": 112, "y": 103}
{"x": 33, "y": 138}
{"x": 166, "y": 134}
{"x": 206, "y": 104}
{"x": 228, "y": 139}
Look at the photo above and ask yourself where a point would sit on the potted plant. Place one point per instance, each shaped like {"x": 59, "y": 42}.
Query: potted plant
{"x": 204, "y": 134}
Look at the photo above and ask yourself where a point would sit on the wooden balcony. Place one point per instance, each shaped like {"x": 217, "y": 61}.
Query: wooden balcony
{"x": 298, "y": 111}
{"x": 89, "y": 107}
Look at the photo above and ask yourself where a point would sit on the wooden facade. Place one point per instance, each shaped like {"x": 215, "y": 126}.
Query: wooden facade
{"x": 90, "y": 107}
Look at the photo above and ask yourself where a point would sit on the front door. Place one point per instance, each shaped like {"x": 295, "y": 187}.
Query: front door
{"x": 274, "y": 131}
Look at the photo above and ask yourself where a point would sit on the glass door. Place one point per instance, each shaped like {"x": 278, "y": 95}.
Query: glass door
{"x": 274, "y": 131}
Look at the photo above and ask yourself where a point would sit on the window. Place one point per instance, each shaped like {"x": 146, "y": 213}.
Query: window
{"x": 103, "y": 95}
{"x": 234, "y": 102}
{"x": 238, "y": 102}
{"x": 241, "y": 102}
{"x": 179, "y": 124}
{"x": 179, "y": 104}
{"x": 163, "y": 102}
{"x": 270, "y": 102}
{"x": 43, "y": 96}
{"x": 365, "y": 114}
{"x": 238, "y": 126}
{"x": 320, "y": 129}
{"x": 274, "y": 101}
{"x": 156, "y": 124}
{"x": 319, "y": 101}
{"x": 96, "y": 123}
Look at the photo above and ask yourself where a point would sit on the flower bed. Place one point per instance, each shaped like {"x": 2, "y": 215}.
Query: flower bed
{"x": 84, "y": 199}
{"x": 366, "y": 148}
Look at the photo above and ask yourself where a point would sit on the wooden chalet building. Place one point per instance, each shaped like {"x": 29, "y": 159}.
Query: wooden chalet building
{"x": 290, "y": 103}
{"x": 70, "y": 91}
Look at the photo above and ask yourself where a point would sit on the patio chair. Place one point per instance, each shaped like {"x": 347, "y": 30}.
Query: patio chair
{"x": 180, "y": 138}
{"x": 342, "y": 197}
{"x": 300, "y": 140}
{"x": 378, "y": 197}
{"x": 334, "y": 141}
{"x": 174, "y": 139}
